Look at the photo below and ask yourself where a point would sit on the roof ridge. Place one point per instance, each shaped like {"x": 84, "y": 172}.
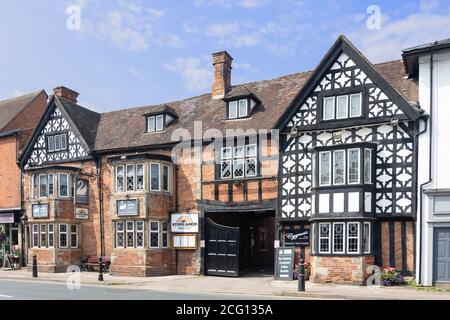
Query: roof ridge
{"x": 34, "y": 93}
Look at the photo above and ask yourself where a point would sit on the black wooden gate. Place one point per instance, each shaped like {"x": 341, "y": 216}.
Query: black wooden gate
{"x": 222, "y": 250}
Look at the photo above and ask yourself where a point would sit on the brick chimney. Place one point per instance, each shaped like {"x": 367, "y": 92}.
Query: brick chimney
{"x": 67, "y": 93}
{"x": 222, "y": 74}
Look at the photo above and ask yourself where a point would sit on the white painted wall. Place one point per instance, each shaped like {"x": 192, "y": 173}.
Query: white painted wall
{"x": 440, "y": 153}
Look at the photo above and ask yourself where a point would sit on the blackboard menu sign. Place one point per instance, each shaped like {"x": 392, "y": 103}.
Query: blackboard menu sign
{"x": 296, "y": 238}
{"x": 284, "y": 264}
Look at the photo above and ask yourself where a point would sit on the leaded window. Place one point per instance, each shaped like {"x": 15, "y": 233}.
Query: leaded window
{"x": 367, "y": 166}
{"x": 51, "y": 187}
{"x": 342, "y": 107}
{"x": 51, "y": 236}
{"x": 73, "y": 236}
{"x": 120, "y": 176}
{"x": 154, "y": 234}
{"x": 120, "y": 234}
{"x": 63, "y": 184}
{"x": 35, "y": 236}
{"x": 324, "y": 237}
{"x": 366, "y": 238}
{"x": 130, "y": 177}
{"x": 43, "y": 235}
{"x": 338, "y": 238}
{"x": 139, "y": 234}
{"x": 325, "y": 168}
{"x": 165, "y": 178}
{"x": 165, "y": 234}
{"x": 353, "y": 237}
{"x": 63, "y": 236}
{"x": 154, "y": 176}
{"x": 339, "y": 167}
{"x": 353, "y": 166}
{"x": 239, "y": 162}
{"x": 328, "y": 108}
{"x": 43, "y": 185}
{"x": 139, "y": 177}
{"x": 130, "y": 234}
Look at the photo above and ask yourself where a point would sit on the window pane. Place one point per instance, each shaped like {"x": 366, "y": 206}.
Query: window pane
{"x": 353, "y": 166}
{"x": 339, "y": 167}
{"x": 57, "y": 143}
{"x": 227, "y": 153}
{"x": 313, "y": 238}
{"x": 342, "y": 107}
{"x": 51, "y": 143}
{"x": 154, "y": 176}
{"x": 250, "y": 167}
{"x": 130, "y": 177}
{"x": 50, "y": 185}
{"x": 328, "y": 108}
{"x": 139, "y": 177}
{"x": 239, "y": 152}
{"x": 150, "y": 124}
{"x": 119, "y": 234}
{"x": 120, "y": 178}
{"x": 63, "y": 185}
{"x": 130, "y": 234}
{"x": 355, "y": 105}
{"x": 243, "y": 111}
{"x": 367, "y": 166}
{"x": 352, "y": 237}
{"x": 238, "y": 168}
{"x": 338, "y": 237}
{"x": 250, "y": 150}
{"x": 232, "y": 110}
{"x": 313, "y": 168}
{"x": 43, "y": 235}
{"x": 165, "y": 178}
{"x": 43, "y": 186}
{"x": 225, "y": 169}
{"x": 63, "y": 141}
{"x": 324, "y": 237}
{"x": 159, "y": 123}
{"x": 324, "y": 168}
{"x": 366, "y": 241}
{"x": 35, "y": 182}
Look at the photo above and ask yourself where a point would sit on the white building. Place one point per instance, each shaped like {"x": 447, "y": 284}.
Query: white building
{"x": 430, "y": 65}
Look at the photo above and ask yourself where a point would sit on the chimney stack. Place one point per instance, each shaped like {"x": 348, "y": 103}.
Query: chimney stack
{"x": 67, "y": 93}
{"x": 222, "y": 74}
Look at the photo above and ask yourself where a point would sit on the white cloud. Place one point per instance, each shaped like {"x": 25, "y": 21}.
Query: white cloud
{"x": 222, "y": 30}
{"x": 251, "y": 3}
{"x": 395, "y": 35}
{"x": 196, "y": 73}
{"x": 429, "y": 6}
{"x": 230, "y": 3}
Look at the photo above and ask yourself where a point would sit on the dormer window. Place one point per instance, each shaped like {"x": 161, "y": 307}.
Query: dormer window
{"x": 240, "y": 108}
{"x": 342, "y": 107}
{"x": 155, "y": 123}
{"x": 159, "y": 120}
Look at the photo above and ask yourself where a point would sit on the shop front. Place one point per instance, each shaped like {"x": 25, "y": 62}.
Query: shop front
{"x": 10, "y": 240}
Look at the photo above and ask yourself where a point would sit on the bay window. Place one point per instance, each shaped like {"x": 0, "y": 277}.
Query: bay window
{"x": 42, "y": 235}
{"x": 342, "y": 107}
{"x": 129, "y": 234}
{"x": 366, "y": 238}
{"x": 342, "y": 238}
{"x": 141, "y": 177}
{"x": 324, "y": 237}
{"x": 63, "y": 179}
{"x": 130, "y": 177}
{"x": 353, "y": 166}
{"x": 43, "y": 185}
{"x": 367, "y": 166}
{"x": 325, "y": 168}
{"x": 353, "y": 237}
{"x": 338, "y": 237}
{"x": 154, "y": 176}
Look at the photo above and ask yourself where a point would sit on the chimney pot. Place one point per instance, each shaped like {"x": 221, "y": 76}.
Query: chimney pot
{"x": 67, "y": 93}
{"x": 222, "y": 74}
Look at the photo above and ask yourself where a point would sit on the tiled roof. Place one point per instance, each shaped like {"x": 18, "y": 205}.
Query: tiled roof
{"x": 10, "y": 108}
{"x": 126, "y": 128}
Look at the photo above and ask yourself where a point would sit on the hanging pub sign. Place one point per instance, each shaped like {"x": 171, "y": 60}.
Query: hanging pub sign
{"x": 81, "y": 213}
{"x": 40, "y": 210}
{"x": 284, "y": 264}
{"x": 127, "y": 207}
{"x": 82, "y": 191}
{"x": 296, "y": 237}
{"x": 184, "y": 223}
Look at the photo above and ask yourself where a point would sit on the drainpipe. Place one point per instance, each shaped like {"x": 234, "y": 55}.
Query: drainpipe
{"x": 98, "y": 160}
{"x": 430, "y": 172}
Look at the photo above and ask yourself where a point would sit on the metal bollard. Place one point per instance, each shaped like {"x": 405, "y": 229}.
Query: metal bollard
{"x": 34, "y": 268}
{"x": 100, "y": 269}
{"x": 301, "y": 276}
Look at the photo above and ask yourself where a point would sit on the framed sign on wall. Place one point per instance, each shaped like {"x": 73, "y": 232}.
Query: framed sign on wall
{"x": 40, "y": 210}
{"x": 127, "y": 207}
{"x": 81, "y": 213}
{"x": 184, "y": 223}
{"x": 185, "y": 241}
{"x": 82, "y": 191}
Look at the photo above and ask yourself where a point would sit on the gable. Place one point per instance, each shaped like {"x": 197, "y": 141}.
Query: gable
{"x": 344, "y": 71}
{"x": 55, "y": 124}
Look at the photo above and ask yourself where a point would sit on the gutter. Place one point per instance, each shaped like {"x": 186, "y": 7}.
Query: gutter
{"x": 430, "y": 173}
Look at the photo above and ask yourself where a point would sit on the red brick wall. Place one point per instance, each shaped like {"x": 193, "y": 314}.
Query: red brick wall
{"x": 9, "y": 174}
{"x": 333, "y": 269}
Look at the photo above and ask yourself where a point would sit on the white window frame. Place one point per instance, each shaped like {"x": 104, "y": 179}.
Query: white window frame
{"x": 350, "y": 105}
{"x": 76, "y": 236}
{"x": 235, "y": 164}
{"x": 347, "y": 99}
{"x": 35, "y": 244}
{"x": 132, "y": 231}
{"x": 63, "y": 233}
{"x": 235, "y": 106}
{"x": 53, "y": 184}
{"x": 369, "y": 237}
{"x": 333, "y": 99}
{"x": 151, "y": 175}
{"x": 63, "y": 139}
{"x": 123, "y": 177}
{"x": 46, "y": 186}
{"x": 45, "y": 233}
{"x": 51, "y": 233}
{"x": 59, "y": 185}
{"x": 159, "y": 123}
{"x": 137, "y": 232}
{"x": 344, "y": 235}
{"x": 358, "y": 238}
{"x": 151, "y": 120}
{"x": 344, "y": 158}
{"x": 143, "y": 177}
{"x": 243, "y": 102}
{"x": 329, "y": 170}
{"x": 359, "y": 166}
{"x": 165, "y": 166}
{"x": 133, "y": 172}
{"x": 116, "y": 235}
{"x": 52, "y": 149}
{"x": 329, "y": 238}
{"x": 154, "y": 231}
{"x": 370, "y": 166}
{"x": 166, "y": 232}
{"x": 313, "y": 238}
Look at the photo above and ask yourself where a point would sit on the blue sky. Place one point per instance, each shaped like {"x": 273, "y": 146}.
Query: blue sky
{"x": 141, "y": 52}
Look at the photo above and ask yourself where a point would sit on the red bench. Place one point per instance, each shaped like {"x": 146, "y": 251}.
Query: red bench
{"x": 91, "y": 263}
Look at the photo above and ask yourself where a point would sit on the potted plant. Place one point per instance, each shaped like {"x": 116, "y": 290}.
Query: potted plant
{"x": 390, "y": 276}
{"x": 2, "y": 240}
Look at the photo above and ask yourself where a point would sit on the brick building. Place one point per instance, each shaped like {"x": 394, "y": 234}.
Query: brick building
{"x": 196, "y": 186}
{"x": 18, "y": 117}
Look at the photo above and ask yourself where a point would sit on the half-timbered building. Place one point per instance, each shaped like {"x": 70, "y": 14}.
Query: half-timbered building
{"x": 348, "y": 166}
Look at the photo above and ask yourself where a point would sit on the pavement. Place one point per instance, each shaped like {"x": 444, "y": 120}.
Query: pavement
{"x": 250, "y": 285}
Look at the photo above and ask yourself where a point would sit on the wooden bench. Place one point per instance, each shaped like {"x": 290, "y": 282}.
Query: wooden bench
{"x": 91, "y": 263}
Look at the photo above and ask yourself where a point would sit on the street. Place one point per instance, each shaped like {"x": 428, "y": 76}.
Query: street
{"x": 21, "y": 290}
